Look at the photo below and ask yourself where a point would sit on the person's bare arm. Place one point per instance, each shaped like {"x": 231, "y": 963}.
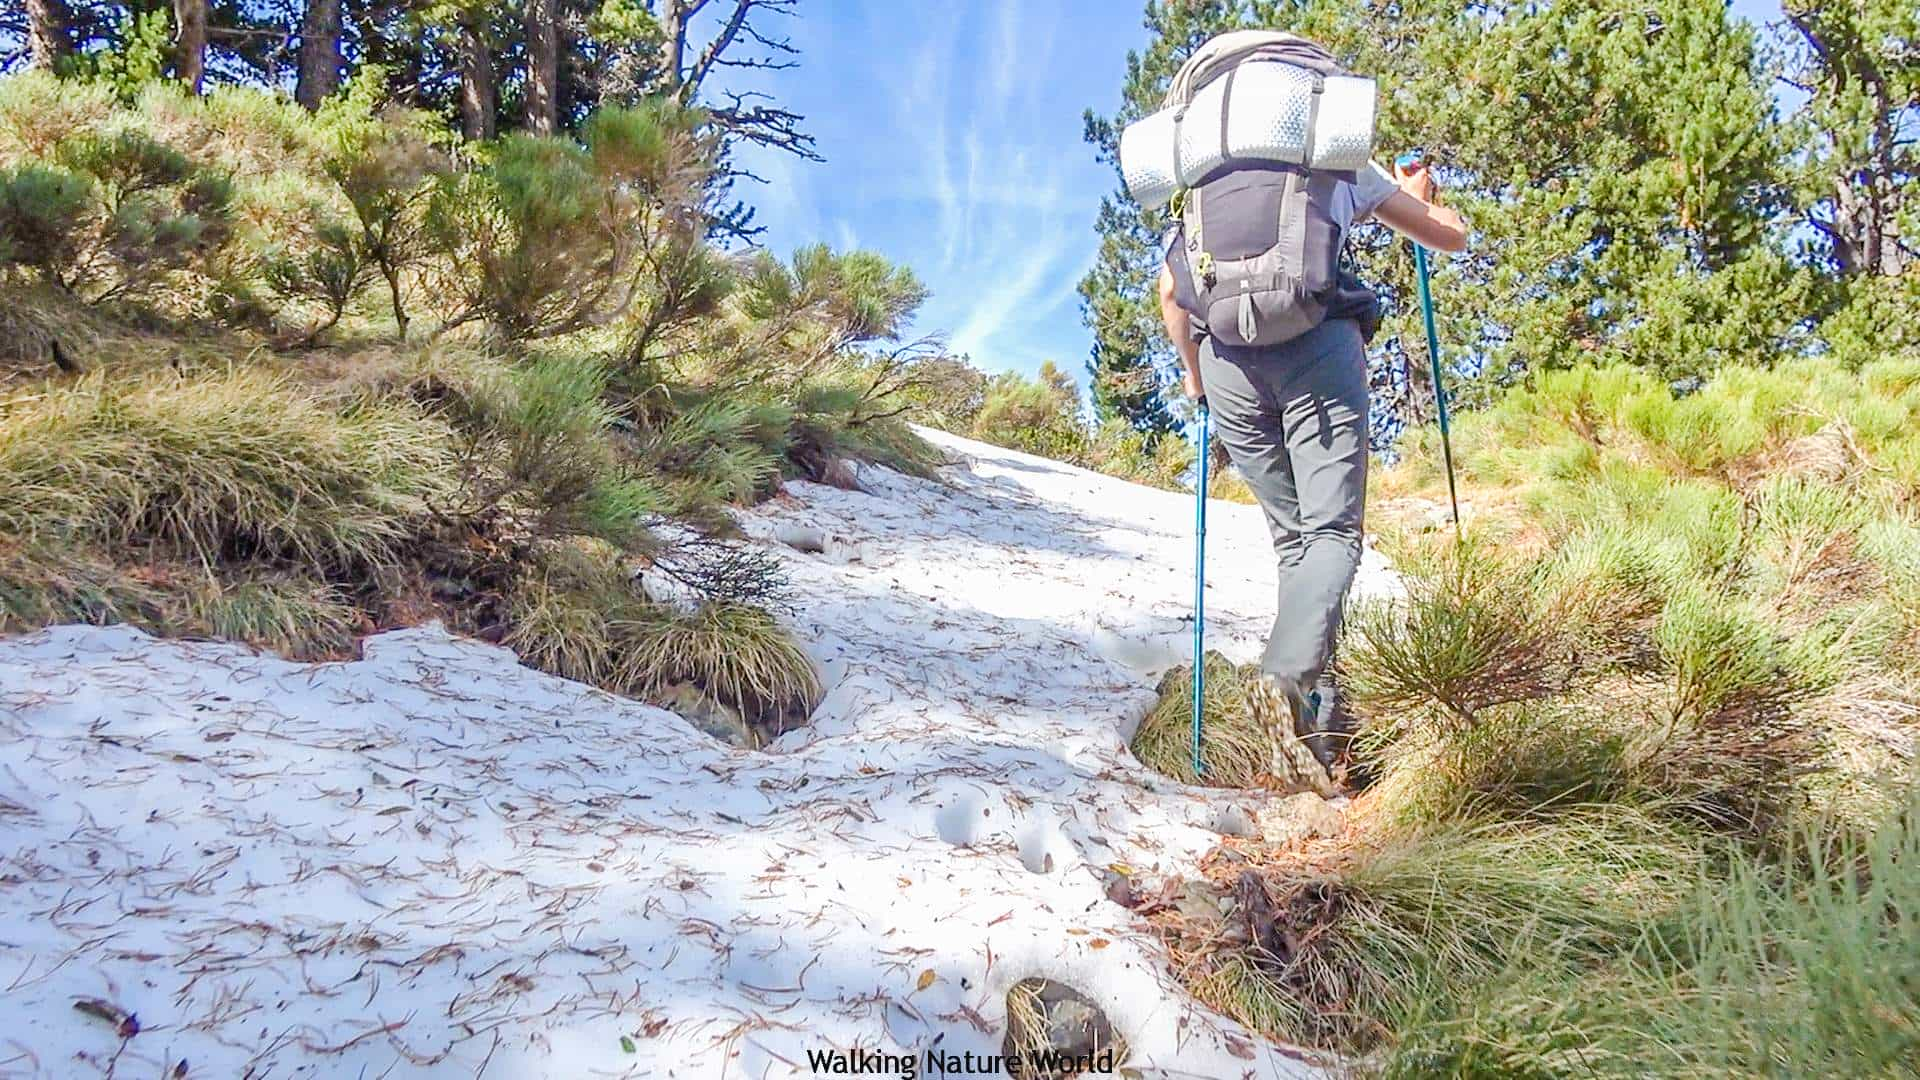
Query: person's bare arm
{"x": 1412, "y": 213}
{"x": 1180, "y": 329}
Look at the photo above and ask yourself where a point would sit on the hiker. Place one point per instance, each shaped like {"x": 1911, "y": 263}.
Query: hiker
{"x": 1293, "y": 414}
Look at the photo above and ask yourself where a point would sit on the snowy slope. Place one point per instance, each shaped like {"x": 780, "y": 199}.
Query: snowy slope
{"x": 434, "y": 862}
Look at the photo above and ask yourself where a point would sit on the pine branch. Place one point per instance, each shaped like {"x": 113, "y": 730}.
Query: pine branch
{"x": 765, "y": 125}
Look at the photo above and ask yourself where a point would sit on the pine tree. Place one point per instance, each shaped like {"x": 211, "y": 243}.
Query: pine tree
{"x": 1130, "y": 366}
{"x": 48, "y": 37}
{"x": 1858, "y": 61}
{"x": 1858, "y": 181}
{"x": 190, "y": 42}
{"x": 542, "y": 23}
{"x": 1621, "y": 164}
{"x": 319, "y": 53}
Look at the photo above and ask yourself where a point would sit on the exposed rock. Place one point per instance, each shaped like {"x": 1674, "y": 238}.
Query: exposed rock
{"x": 715, "y": 718}
{"x": 1298, "y": 817}
{"x": 1051, "y": 1021}
{"x": 1234, "y": 821}
{"x": 726, "y": 723}
{"x": 1197, "y": 901}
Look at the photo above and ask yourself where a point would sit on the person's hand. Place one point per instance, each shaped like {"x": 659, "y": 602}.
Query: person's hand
{"x": 1190, "y": 383}
{"x": 1416, "y": 180}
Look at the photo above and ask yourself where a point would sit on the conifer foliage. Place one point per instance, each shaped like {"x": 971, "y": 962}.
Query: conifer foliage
{"x": 1637, "y": 192}
{"x": 294, "y": 375}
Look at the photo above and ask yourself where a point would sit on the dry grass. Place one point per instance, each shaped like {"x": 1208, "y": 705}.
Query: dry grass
{"x": 289, "y": 613}
{"x": 576, "y": 613}
{"x": 741, "y": 656}
{"x": 294, "y": 616}
{"x": 43, "y": 585}
{"x": 1235, "y": 747}
{"x": 237, "y": 465}
{"x": 1334, "y": 946}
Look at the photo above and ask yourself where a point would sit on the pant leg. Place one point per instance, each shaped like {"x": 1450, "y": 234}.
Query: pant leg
{"x": 1322, "y": 397}
{"x": 1246, "y": 418}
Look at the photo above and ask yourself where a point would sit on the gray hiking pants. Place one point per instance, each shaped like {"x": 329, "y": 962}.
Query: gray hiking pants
{"x": 1293, "y": 418}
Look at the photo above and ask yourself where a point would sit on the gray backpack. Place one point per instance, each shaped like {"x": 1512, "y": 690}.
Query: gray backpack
{"x": 1258, "y": 258}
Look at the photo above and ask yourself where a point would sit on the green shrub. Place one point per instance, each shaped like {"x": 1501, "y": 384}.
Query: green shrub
{"x": 331, "y": 271}
{"x": 1036, "y": 416}
{"x": 861, "y": 295}
{"x": 1469, "y": 634}
{"x": 383, "y": 167}
{"x": 1802, "y": 968}
{"x": 720, "y": 449}
{"x": 1731, "y": 746}
{"x": 38, "y": 208}
{"x": 112, "y": 214}
{"x": 1520, "y": 761}
{"x": 548, "y": 236}
{"x": 1607, "y": 585}
{"x": 38, "y": 110}
{"x": 558, "y": 463}
{"x": 945, "y": 392}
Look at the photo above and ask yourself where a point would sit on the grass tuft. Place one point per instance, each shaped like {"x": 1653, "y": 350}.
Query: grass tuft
{"x": 240, "y": 465}
{"x": 294, "y": 616}
{"x": 739, "y": 655}
{"x": 1807, "y": 966}
{"x": 1343, "y": 954}
{"x": 1237, "y": 751}
{"x": 576, "y": 613}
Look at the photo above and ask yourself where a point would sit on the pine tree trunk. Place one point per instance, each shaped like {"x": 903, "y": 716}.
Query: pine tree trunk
{"x": 676, "y": 43}
{"x": 47, "y": 36}
{"x": 543, "y": 66}
{"x": 190, "y": 20}
{"x": 319, "y": 53}
{"x": 478, "y": 94}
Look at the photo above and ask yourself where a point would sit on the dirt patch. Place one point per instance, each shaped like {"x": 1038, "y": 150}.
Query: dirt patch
{"x": 1254, "y": 927}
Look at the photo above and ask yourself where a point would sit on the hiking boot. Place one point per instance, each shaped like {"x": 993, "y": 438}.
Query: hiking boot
{"x": 1314, "y": 724}
{"x": 1283, "y": 712}
{"x": 1329, "y": 733}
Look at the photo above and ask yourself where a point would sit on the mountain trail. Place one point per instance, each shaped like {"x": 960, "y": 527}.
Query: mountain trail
{"x": 435, "y": 862}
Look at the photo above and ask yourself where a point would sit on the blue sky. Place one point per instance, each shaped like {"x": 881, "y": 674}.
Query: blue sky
{"x": 952, "y": 133}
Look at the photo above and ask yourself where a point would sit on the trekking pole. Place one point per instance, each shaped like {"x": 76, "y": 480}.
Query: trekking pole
{"x": 1200, "y": 586}
{"x": 1433, "y": 357}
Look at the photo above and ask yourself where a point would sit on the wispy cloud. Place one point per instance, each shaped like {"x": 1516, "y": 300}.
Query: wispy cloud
{"x": 954, "y": 147}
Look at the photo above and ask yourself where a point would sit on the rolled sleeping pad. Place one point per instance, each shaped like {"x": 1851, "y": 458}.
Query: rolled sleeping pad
{"x": 1265, "y": 110}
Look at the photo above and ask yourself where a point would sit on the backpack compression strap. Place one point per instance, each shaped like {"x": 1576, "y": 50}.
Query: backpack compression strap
{"x": 1229, "y": 49}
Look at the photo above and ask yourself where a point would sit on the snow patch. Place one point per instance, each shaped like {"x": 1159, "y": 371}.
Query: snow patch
{"x": 435, "y": 862}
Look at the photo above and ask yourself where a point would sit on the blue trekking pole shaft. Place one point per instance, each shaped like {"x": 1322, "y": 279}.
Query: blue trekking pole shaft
{"x": 1409, "y": 162}
{"x": 1200, "y": 585}
{"x": 1439, "y": 385}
